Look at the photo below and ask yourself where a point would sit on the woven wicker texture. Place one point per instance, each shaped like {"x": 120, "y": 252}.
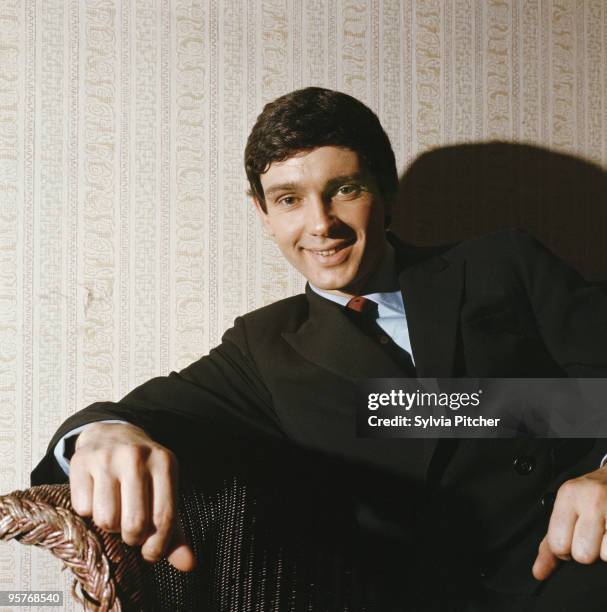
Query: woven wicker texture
{"x": 254, "y": 555}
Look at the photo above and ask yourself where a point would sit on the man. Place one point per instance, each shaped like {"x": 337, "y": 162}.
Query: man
{"x": 323, "y": 177}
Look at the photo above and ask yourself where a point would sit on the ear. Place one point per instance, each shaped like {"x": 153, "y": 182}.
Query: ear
{"x": 263, "y": 216}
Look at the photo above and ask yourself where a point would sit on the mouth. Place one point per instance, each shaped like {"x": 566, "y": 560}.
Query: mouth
{"x": 331, "y": 256}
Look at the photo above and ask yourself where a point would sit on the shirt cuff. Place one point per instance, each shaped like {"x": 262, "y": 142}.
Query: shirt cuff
{"x": 603, "y": 461}
{"x": 59, "y": 452}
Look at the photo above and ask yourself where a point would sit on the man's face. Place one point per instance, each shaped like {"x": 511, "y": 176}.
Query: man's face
{"x": 326, "y": 216}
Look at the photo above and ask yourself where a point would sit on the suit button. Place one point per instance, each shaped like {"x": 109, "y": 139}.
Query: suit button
{"x": 384, "y": 339}
{"x": 547, "y": 501}
{"x": 524, "y": 465}
{"x": 483, "y": 568}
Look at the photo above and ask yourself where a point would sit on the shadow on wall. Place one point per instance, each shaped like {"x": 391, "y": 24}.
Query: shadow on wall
{"x": 460, "y": 192}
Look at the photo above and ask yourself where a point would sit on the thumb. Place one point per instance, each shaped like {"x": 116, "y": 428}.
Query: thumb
{"x": 545, "y": 562}
{"x": 180, "y": 555}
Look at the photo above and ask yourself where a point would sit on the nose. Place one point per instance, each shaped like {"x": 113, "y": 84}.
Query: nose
{"x": 319, "y": 216}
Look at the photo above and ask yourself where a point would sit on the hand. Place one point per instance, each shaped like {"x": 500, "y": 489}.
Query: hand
{"x": 128, "y": 484}
{"x": 577, "y": 528}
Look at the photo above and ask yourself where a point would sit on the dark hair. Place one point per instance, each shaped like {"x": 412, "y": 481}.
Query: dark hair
{"x": 316, "y": 117}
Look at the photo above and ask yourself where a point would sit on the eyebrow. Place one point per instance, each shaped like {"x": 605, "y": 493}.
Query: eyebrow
{"x": 280, "y": 187}
{"x": 336, "y": 180}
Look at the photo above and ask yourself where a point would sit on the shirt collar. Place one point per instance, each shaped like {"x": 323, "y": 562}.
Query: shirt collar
{"x": 390, "y": 303}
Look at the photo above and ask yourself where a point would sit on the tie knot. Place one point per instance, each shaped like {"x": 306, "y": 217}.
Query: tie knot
{"x": 363, "y": 306}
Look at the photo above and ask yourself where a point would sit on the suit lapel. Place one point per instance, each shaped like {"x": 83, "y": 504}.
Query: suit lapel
{"x": 331, "y": 340}
{"x": 432, "y": 294}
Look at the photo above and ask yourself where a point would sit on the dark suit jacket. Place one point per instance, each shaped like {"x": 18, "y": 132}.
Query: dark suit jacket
{"x": 497, "y": 306}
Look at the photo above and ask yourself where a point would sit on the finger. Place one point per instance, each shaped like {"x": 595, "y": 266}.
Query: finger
{"x": 164, "y": 487}
{"x": 545, "y": 562}
{"x": 587, "y": 538}
{"x": 135, "y": 504}
{"x": 560, "y": 530}
{"x": 81, "y": 489}
{"x": 180, "y": 555}
{"x": 176, "y": 549}
{"x": 106, "y": 502}
{"x": 603, "y": 552}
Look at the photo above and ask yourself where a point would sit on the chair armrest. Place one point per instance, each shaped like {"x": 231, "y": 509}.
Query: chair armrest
{"x": 107, "y": 573}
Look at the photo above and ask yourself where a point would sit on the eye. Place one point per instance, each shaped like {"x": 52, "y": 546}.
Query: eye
{"x": 287, "y": 201}
{"x": 349, "y": 190}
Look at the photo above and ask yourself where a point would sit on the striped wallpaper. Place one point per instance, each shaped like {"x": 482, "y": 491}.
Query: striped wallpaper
{"x": 127, "y": 244}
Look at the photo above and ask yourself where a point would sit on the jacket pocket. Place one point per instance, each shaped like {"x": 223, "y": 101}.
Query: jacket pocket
{"x": 494, "y": 322}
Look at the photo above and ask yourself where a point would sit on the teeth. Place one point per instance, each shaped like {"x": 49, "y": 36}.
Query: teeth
{"x": 326, "y": 252}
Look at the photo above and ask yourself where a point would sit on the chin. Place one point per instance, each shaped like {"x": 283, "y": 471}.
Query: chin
{"x": 332, "y": 284}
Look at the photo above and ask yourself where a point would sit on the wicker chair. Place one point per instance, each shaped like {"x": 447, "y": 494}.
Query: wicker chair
{"x": 259, "y": 548}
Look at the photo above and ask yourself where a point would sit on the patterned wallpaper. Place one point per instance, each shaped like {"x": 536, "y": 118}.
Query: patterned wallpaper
{"x": 127, "y": 244}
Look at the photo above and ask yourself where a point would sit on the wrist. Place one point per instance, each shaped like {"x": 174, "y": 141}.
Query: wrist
{"x": 93, "y": 430}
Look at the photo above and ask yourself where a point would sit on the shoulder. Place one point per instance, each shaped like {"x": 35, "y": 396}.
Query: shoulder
{"x": 506, "y": 248}
{"x": 515, "y": 259}
{"x": 510, "y": 252}
{"x": 502, "y": 245}
{"x": 266, "y": 324}
{"x": 285, "y": 314}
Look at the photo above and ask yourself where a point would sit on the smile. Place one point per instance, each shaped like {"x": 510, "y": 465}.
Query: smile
{"x": 332, "y": 251}
{"x": 330, "y": 256}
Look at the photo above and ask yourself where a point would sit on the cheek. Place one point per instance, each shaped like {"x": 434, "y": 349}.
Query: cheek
{"x": 286, "y": 237}
{"x": 361, "y": 217}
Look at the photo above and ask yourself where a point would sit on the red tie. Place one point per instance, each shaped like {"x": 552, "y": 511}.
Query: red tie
{"x": 362, "y": 305}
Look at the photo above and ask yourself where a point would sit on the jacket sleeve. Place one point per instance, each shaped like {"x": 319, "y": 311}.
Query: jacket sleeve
{"x": 201, "y": 409}
{"x": 570, "y": 313}
{"x": 571, "y": 317}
